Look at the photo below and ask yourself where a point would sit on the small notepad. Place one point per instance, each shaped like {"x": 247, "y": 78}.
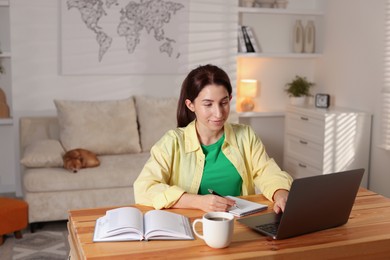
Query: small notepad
{"x": 245, "y": 207}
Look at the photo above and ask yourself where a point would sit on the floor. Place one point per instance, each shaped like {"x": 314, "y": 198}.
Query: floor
{"x": 30, "y": 241}
{"x": 7, "y": 249}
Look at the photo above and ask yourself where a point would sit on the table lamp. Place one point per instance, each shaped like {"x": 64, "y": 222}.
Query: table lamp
{"x": 248, "y": 91}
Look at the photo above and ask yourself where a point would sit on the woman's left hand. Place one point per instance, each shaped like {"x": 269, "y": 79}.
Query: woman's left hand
{"x": 280, "y": 199}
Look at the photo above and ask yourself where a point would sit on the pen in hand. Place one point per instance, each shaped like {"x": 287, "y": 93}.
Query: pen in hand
{"x": 217, "y": 194}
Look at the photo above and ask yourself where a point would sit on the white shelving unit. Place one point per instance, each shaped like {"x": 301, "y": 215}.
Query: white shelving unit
{"x": 279, "y": 11}
{"x": 6, "y": 121}
{"x": 5, "y": 57}
{"x": 5, "y": 54}
{"x": 274, "y": 35}
{"x": 276, "y": 55}
{"x": 7, "y": 125}
{"x": 260, "y": 114}
{"x": 276, "y": 63}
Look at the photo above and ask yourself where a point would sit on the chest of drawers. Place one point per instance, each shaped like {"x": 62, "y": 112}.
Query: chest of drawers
{"x": 321, "y": 141}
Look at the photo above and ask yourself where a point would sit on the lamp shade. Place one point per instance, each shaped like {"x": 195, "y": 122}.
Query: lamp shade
{"x": 248, "y": 88}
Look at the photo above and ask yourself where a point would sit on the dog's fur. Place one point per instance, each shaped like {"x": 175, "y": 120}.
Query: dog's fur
{"x": 79, "y": 158}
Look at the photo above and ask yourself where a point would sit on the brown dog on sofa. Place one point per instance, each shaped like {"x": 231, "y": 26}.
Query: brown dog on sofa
{"x": 79, "y": 158}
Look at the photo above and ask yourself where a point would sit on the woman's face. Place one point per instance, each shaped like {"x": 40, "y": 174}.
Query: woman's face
{"x": 211, "y": 107}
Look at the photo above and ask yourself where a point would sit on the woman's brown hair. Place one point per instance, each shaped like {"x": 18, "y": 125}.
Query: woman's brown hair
{"x": 195, "y": 81}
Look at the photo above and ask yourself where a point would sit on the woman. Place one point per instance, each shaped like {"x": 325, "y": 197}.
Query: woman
{"x": 206, "y": 152}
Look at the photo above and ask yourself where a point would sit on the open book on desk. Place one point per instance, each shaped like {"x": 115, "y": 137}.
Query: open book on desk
{"x": 245, "y": 207}
{"x": 128, "y": 223}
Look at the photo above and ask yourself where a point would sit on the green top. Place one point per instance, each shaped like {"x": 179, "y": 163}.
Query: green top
{"x": 219, "y": 174}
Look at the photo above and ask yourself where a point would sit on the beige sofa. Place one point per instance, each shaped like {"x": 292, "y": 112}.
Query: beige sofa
{"x": 121, "y": 132}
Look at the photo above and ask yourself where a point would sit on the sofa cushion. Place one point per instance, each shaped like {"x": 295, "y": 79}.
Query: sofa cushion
{"x": 103, "y": 127}
{"x": 114, "y": 171}
{"x": 155, "y": 117}
{"x": 43, "y": 153}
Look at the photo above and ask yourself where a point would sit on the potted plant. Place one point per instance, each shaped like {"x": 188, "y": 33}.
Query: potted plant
{"x": 298, "y": 89}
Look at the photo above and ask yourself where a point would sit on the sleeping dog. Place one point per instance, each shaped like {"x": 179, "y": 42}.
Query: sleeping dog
{"x": 79, "y": 158}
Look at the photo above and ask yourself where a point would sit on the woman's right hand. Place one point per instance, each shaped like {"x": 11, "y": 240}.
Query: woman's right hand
{"x": 211, "y": 202}
{"x": 207, "y": 203}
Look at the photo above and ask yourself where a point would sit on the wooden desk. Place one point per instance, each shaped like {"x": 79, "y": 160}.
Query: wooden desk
{"x": 365, "y": 236}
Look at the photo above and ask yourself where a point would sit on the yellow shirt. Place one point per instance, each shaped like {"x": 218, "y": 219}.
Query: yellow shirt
{"x": 177, "y": 160}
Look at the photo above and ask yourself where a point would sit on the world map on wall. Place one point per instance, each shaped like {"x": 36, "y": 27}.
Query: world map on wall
{"x": 134, "y": 18}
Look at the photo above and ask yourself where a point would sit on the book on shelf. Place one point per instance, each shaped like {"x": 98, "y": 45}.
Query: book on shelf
{"x": 249, "y": 43}
{"x": 245, "y": 207}
{"x": 129, "y": 224}
{"x": 241, "y": 41}
{"x": 252, "y": 38}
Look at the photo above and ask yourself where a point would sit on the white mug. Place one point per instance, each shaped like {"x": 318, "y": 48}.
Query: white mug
{"x": 217, "y": 229}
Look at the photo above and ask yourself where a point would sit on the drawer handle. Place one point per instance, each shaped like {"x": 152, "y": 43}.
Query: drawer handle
{"x": 302, "y": 142}
{"x": 304, "y": 118}
{"x": 302, "y": 165}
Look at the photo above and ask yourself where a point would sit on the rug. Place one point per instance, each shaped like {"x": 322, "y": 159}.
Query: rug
{"x": 41, "y": 245}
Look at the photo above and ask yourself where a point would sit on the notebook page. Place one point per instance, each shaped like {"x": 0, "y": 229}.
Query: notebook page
{"x": 245, "y": 207}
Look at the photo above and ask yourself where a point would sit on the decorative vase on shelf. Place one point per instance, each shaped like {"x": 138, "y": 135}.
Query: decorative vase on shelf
{"x": 265, "y": 3}
{"x": 310, "y": 33}
{"x": 247, "y": 3}
{"x": 4, "y": 109}
{"x": 281, "y": 4}
{"x": 298, "y": 37}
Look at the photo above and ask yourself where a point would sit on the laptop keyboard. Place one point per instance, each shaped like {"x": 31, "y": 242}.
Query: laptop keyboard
{"x": 271, "y": 228}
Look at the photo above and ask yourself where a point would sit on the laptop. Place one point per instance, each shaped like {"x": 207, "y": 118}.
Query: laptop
{"x": 314, "y": 203}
